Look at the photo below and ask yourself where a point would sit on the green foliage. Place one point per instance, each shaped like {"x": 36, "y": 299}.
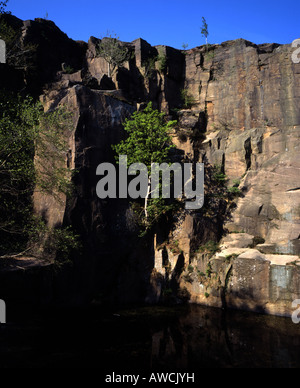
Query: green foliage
{"x": 51, "y": 243}
{"x": 174, "y": 247}
{"x": 235, "y": 191}
{"x": 211, "y": 247}
{"x": 69, "y": 70}
{"x": 32, "y": 156}
{"x": 210, "y": 55}
{"x": 219, "y": 176}
{"x": 112, "y": 50}
{"x": 20, "y": 55}
{"x": 61, "y": 242}
{"x": 51, "y": 146}
{"x": 209, "y": 270}
{"x": 157, "y": 209}
{"x": 18, "y": 130}
{"x": 187, "y": 100}
{"x": 204, "y": 30}
{"x": 149, "y": 141}
{"x": 149, "y": 66}
{"x": 162, "y": 62}
{"x": 236, "y": 182}
{"x": 7, "y": 33}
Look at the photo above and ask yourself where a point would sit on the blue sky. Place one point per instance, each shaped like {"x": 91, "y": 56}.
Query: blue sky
{"x": 169, "y": 22}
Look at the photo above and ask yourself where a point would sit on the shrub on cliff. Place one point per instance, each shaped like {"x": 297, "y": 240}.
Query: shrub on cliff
{"x": 162, "y": 62}
{"x": 19, "y": 55}
{"x": 112, "y": 50}
{"x": 32, "y": 157}
{"x": 187, "y": 99}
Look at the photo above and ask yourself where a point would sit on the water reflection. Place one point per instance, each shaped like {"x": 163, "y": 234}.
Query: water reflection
{"x": 205, "y": 338}
{"x": 149, "y": 339}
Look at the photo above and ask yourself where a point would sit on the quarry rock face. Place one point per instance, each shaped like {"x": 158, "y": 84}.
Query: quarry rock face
{"x": 112, "y": 250}
{"x": 265, "y": 162}
{"x": 251, "y": 96}
{"x": 238, "y": 109}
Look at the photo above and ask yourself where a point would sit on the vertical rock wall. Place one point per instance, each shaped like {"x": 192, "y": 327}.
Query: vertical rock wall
{"x": 241, "y": 113}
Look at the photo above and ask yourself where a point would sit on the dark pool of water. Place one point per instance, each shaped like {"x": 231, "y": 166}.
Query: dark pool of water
{"x": 164, "y": 339}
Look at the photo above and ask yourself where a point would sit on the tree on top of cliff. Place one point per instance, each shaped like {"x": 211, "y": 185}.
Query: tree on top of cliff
{"x": 149, "y": 141}
{"x": 204, "y": 30}
{"x": 111, "y": 49}
{"x": 19, "y": 55}
{"x": 3, "y": 5}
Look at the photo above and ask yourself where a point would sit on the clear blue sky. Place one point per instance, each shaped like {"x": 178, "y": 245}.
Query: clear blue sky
{"x": 169, "y": 22}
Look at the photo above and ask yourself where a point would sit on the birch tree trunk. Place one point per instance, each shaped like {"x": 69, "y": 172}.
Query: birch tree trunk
{"x": 147, "y": 198}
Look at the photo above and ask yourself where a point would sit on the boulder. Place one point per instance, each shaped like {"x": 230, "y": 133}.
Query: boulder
{"x": 237, "y": 240}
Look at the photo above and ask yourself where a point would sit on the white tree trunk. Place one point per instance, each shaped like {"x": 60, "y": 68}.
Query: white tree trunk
{"x": 147, "y": 199}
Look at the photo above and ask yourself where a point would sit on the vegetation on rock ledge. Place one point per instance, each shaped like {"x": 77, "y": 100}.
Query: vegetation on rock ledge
{"x": 32, "y": 158}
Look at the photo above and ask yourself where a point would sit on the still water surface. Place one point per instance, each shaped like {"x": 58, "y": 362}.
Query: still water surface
{"x": 164, "y": 339}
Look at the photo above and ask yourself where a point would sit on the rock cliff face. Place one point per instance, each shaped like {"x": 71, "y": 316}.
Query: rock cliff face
{"x": 241, "y": 114}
